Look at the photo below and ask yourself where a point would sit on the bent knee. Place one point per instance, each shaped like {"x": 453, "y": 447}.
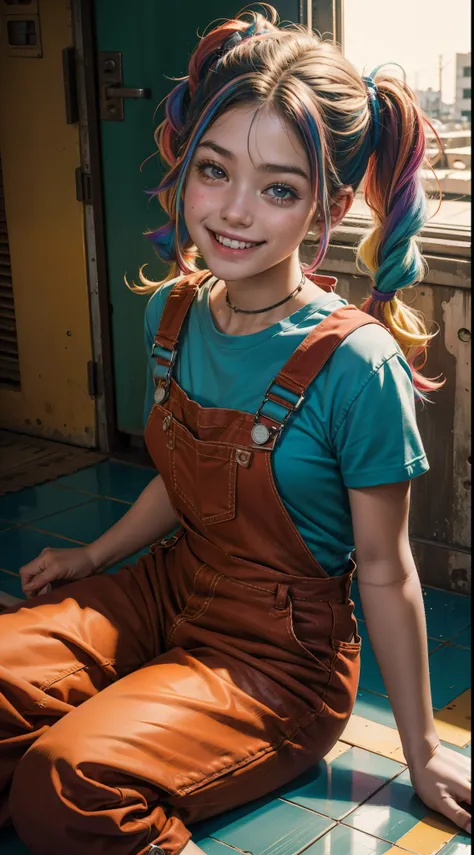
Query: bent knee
{"x": 55, "y": 781}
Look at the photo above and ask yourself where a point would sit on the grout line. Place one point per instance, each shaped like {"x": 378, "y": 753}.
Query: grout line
{"x": 55, "y": 534}
{"x": 459, "y": 646}
{"x": 48, "y": 516}
{"x": 315, "y": 839}
{"x": 89, "y": 493}
{"x": 229, "y": 845}
{"x": 10, "y": 572}
{"x": 440, "y": 641}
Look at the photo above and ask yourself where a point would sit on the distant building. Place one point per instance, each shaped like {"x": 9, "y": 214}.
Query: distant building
{"x": 462, "y": 104}
{"x": 429, "y": 102}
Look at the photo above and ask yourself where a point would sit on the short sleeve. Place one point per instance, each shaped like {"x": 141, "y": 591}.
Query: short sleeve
{"x": 378, "y": 441}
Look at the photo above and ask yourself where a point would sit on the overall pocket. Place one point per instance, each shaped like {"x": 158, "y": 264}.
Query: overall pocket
{"x": 203, "y": 475}
{"x": 204, "y": 587}
{"x": 310, "y": 631}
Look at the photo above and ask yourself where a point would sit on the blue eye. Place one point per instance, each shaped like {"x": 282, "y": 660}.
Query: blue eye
{"x": 207, "y": 167}
{"x": 284, "y": 193}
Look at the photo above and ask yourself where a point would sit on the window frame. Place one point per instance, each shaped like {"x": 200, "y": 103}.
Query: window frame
{"x": 439, "y": 242}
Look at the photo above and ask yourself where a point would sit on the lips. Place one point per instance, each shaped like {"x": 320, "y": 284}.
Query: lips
{"x": 236, "y": 249}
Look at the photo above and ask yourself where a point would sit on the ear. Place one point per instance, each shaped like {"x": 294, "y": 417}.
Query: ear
{"x": 341, "y": 205}
{"x": 338, "y": 208}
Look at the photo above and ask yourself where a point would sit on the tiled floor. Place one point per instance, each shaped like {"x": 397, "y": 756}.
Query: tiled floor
{"x": 359, "y": 801}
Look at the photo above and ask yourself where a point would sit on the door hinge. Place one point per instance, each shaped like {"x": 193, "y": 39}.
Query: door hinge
{"x": 92, "y": 378}
{"x": 83, "y": 186}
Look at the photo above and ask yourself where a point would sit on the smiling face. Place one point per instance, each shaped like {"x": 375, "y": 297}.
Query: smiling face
{"x": 248, "y": 183}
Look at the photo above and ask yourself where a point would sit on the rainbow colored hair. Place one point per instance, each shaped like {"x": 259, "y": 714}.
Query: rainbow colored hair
{"x": 326, "y": 102}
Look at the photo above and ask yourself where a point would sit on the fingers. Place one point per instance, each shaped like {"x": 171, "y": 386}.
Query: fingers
{"x": 456, "y": 813}
{"x": 41, "y": 581}
{"x": 45, "y": 590}
{"x": 29, "y": 571}
{"x": 38, "y": 574}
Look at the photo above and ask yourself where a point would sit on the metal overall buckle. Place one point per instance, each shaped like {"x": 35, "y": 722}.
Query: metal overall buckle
{"x": 162, "y": 385}
{"x": 260, "y": 433}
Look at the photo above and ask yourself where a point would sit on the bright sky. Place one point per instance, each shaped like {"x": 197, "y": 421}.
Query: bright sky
{"x": 412, "y": 33}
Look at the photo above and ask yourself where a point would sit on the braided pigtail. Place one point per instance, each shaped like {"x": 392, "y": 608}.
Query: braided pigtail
{"x": 394, "y": 193}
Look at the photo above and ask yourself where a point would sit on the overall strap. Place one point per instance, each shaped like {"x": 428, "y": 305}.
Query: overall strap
{"x": 176, "y": 308}
{"x": 314, "y": 351}
{"x": 289, "y": 386}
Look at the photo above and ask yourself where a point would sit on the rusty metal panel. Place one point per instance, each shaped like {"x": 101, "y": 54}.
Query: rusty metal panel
{"x": 440, "y": 522}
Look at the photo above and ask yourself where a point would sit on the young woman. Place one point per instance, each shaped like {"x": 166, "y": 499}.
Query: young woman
{"x": 226, "y": 661}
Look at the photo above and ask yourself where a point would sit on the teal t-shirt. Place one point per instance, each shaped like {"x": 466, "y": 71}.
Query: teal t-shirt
{"x": 355, "y": 428}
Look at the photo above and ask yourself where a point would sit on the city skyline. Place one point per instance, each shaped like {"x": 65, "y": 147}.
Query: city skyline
{"x": 414, "y": 38}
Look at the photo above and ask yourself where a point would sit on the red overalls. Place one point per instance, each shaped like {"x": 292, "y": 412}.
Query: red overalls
{"x": 238, "y": 657}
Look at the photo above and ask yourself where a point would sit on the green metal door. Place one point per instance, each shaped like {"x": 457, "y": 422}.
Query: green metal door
{"x": 154, "y": 39}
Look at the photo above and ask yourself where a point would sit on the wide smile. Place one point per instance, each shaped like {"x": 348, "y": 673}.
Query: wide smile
{"x": 232, "y": 248}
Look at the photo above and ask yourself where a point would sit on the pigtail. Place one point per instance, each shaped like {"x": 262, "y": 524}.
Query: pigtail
{"x": 396, "y": 198}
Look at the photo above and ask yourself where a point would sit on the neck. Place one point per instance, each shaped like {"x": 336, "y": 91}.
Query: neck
{"x": 265, "y": 288}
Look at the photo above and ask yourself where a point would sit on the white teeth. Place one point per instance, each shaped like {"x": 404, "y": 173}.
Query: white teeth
{"x": 234, "y": 244}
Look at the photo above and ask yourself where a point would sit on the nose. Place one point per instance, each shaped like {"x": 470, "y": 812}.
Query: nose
{"x": 236, "y": 209}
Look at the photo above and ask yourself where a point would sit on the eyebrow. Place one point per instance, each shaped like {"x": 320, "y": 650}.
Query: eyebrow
{"x": 264, "y": 167}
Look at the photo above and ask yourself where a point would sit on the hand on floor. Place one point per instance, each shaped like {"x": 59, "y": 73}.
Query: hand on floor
{"x": 443, "y": 783}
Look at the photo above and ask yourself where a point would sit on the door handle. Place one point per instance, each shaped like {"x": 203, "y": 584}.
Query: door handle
{"x": 126, "y": 92}
{"x": 112, "y": 90}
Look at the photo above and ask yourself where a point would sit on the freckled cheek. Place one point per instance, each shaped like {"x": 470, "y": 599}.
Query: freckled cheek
{"x": 196, "y": 200}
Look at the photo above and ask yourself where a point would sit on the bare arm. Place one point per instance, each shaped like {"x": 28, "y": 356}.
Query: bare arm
{"x": 393, "y": 607}
{"x": 149, "y": 519}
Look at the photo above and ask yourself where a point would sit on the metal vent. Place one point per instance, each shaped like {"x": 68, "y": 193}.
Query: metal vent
{"x": 9, "y": 364}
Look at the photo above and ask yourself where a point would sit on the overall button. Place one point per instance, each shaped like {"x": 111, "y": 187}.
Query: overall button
{"x": 243, "y": 457}
{"x": 156, "y": 850}
{"x": 167, "y": 421}
{"x": 160, "y": 394}
{"x": 260, "y": 434}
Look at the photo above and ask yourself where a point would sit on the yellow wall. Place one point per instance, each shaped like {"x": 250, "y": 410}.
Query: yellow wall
{"x": 40, "y": 153}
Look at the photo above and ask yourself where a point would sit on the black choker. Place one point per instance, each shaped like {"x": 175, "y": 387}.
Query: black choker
{"x": 267, "y": 308}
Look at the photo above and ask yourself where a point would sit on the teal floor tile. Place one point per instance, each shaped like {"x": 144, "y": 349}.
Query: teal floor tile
{"x": 370, "y": 676}
{"x": 35, "y": 503}
{"x": 337, "y": 788}
{"x": 460, "y": 845}
{"x": 268, "y": 827}
{"x": 450, "y": 669}
{"x": 342, "y": 840}
{"x": 212, "y": 847}
{"x": 391, "y": 812}
{"x": 463, "y": 639}
{"x": 374, "y": 707}
{"x": 446, "y": 613}
{"x": 10, "y": 583}
{"x": 111, "y": 479}
{"x": 20, "y": 545}
{"x": 87, "y": 522}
